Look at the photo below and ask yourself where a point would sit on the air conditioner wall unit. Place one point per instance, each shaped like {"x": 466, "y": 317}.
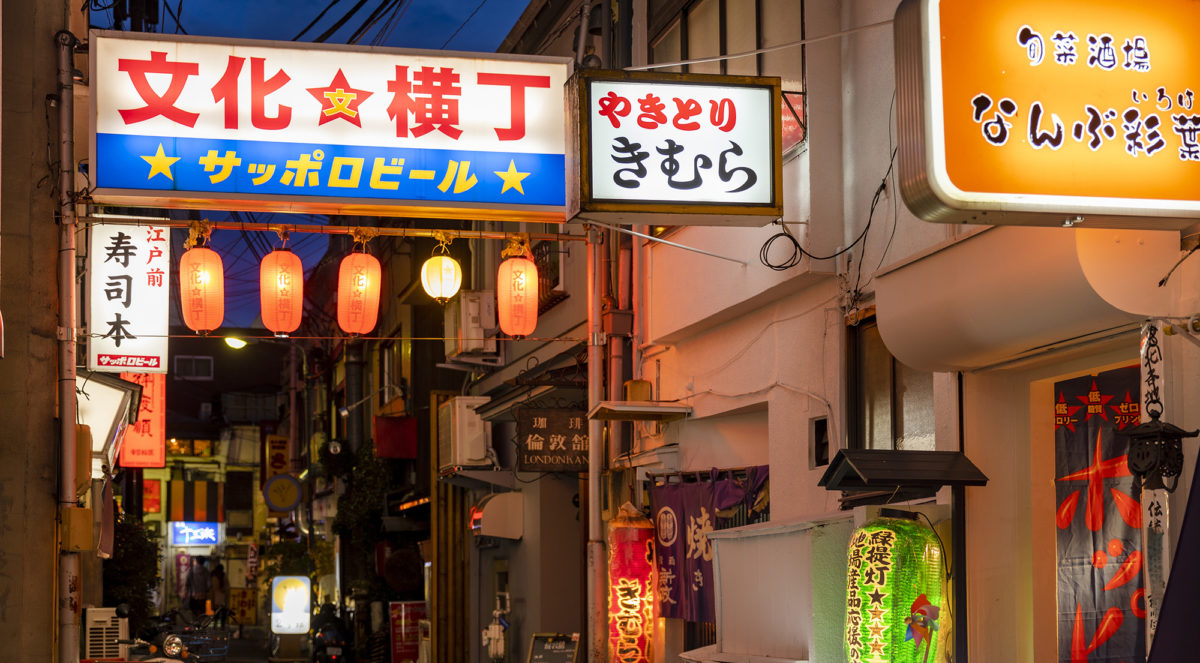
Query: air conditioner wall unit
{"x": 469, "y": 324}
{"x": 102, "y": 629}
{"x": 464, "y": 438}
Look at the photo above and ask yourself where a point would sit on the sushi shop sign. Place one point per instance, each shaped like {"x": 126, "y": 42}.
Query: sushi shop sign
{"x": 1050, "y": 113}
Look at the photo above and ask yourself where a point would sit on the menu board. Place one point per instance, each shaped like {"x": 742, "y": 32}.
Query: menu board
{"x": 553, "y": 648}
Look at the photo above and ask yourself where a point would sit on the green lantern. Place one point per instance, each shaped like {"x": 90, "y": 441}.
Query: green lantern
{"x": 894, "y": 592}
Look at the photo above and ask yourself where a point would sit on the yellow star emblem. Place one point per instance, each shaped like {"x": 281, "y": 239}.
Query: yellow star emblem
{"x": 160, "y": 163}
{"x": 512, "y": 178}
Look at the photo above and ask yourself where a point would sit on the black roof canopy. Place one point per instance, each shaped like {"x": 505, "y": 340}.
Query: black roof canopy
{"x": 874, "y": 469}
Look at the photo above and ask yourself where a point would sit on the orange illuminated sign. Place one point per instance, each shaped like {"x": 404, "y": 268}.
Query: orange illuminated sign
{"x": 145, "y": 441}
{"x": 1036, "y": 112}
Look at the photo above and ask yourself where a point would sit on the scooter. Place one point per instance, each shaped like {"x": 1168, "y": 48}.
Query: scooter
{"x": 159, "y": 642}
{"x": 328, "y": 635}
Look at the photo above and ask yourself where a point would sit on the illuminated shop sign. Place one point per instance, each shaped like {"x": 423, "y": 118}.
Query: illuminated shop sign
{"x": 631, "y": 586}
{"x": 894, "y": 593}
{"x": 145, "y": 442}
{"x": 221, "y": 124}
{"x": 129, "y": 275}
{"x": 704, "y": 149}
{"x": 290, "y": 604}
{"x": 1038, "y": 112}
{"x": 194, "y": 534}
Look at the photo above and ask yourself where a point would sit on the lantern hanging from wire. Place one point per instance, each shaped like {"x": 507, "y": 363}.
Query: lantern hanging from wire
{"x": 201, "y": 283}
{"x": 281, "y": 290}
{"x": 359, "y": 281}
{"x": 517, "y": 289}
{"x": 441, "y": 275}
{"x": 895, "y": 592}
{"x": 631, "y": 586}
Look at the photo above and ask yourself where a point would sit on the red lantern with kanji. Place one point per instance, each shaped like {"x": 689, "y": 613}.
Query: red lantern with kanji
{"x": 631, "y": 586}
{"x": 517, "y": 291}
{"x": 202, "y": 289}
{"x": 358, "y": 293}
{"x": 281, "y": 291}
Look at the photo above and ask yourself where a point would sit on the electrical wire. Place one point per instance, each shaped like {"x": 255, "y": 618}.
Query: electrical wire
{"x": 464, "y": 23}
{"x": 372, "y": 19}
{"x": 176, "y": 15}
{"x": 871, "y": 215}
{"x": 341, "y": 21}
{"x": 799, "y": 249}
{"x": 314, "y": 21}
{"x": 389, "y": 26}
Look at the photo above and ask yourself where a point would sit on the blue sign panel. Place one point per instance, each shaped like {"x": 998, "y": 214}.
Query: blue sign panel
{"x": 340, "y": 171}
{"x": 194, "y": 534}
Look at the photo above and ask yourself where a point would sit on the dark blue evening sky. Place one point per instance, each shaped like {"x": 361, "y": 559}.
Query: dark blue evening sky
{"x": 458, "y": 25}
{"x": 428, "y": 24}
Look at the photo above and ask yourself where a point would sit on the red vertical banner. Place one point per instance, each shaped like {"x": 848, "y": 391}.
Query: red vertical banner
{"x": 151, "y": 496}
{"x": 631, "y": 586}
{"x": 146, "y": 440}
{"x": 404, "y": 617}
{"x": 1101, "y": 604}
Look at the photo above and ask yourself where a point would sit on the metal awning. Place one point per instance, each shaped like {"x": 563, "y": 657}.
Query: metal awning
{"x": 639, "y": 411}
{"x": 875, "y": 469}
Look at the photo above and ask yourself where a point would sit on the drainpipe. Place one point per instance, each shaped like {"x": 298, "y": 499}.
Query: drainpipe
{"x": 597, "y": 615}
{"x": 616, "y": 344}
{"x": 584, "y": 13}
{"x": 354, "y": 393}
{"x": 69, "y": 599}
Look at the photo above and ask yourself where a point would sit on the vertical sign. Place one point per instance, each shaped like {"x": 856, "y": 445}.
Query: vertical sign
{"x": 404, "y": 617}
{"x": 1101, "y": 602}
{"x": 291, "y": 603}
{"x": 1156, "y": 515}
{"x": 129, "y": 275}
{"x": 243, "y": 605}
{"x": 152, "y": 496}
{"x": 145, "y": 441}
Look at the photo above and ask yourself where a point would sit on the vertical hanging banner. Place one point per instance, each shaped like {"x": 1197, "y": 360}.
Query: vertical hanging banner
{"x": 683, "y": 516}
{"x": 146, "y": 441}
{"x": 1101, "y": 603}
{"x": 1156, "y": 504}
{"x": 194, "y": 122}
{"x": 129, "y": 279}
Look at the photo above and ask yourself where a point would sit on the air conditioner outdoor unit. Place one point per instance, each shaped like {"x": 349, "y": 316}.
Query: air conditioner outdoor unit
{"x": 468, "y": 320}
{"x": 464, "y": 438}
{"x": 102, "y": 629}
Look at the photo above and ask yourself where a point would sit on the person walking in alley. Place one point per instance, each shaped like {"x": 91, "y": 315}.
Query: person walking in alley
{"x": 196, "y": 586}
{"x": 219, "y": 592}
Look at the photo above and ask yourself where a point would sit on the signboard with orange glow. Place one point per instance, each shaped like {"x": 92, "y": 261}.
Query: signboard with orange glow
{"x": 1050, "y": 113}
{"x": 145, "y": 441}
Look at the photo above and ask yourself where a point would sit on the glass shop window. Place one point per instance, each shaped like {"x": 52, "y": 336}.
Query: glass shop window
{"x": 891, "y": 404}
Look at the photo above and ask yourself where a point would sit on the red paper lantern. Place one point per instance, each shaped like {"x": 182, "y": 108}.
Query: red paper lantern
{"x": 202, "y": 289}
{"x": 517, "y": 296}
{"x": 358, "y": 293}
{"x": 281, "y": 291}
{"x": 631, "y": 586}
